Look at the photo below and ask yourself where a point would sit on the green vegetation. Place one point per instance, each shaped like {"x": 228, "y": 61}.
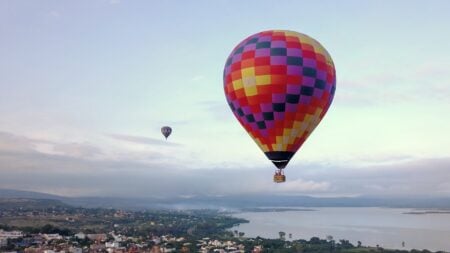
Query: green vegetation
{"x": 63, "y": 219}
{"x": 315, "y": 245}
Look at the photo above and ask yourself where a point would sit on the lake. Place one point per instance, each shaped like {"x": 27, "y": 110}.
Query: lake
{"x": 387, "y": 227}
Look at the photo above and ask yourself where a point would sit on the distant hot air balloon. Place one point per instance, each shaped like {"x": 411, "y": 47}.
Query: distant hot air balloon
{"x": 279, "y": 85}
{"x": 166, "y": 131}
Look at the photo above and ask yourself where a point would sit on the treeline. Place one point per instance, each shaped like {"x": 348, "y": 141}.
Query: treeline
{"x": 317, "y": 245}
{"x": 46, "y": 229}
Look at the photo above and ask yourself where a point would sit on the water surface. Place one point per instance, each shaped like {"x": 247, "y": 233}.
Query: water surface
{"x": 387, "y": 227}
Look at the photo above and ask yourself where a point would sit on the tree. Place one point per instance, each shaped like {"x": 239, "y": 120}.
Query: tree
{"x": 282, "y": 235}
{"x": 314, "y": 240}
{"x": 345, "y": 244}
{"x": 359, "y": 244}
{"x": 241, "y": 234}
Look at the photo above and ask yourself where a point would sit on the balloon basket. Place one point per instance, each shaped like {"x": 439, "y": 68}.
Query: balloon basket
{"x": 279, "y": 178}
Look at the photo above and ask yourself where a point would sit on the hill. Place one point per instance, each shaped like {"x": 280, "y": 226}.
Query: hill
{"x": 8, "y": 204}
{"x": 233, "y": 201}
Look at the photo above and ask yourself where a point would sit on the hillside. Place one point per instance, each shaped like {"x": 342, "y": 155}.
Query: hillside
{"x": 232, "y": 201}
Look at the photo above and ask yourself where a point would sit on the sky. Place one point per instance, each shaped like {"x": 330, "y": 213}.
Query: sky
{"x": 85, "y": 87}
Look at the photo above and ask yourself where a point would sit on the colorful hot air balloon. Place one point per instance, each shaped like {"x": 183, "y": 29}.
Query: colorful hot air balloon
{"x": 279, "y": 85}
{"x": 166, "y": 131}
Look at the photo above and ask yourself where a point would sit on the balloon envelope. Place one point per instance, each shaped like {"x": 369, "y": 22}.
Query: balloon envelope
{"x": 166, "y": 131}
{"x": 279, "y": 85}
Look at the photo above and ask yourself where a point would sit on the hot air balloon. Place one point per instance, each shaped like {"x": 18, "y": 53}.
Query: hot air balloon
{"x": 166, "y": 131}
{"x": 279, "y": 84}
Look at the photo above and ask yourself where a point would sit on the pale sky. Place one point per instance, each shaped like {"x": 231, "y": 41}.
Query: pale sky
{"x": 86, "y": 85}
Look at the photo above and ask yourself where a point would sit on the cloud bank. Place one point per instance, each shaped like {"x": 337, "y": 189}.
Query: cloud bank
{"x": 78, "y": 170}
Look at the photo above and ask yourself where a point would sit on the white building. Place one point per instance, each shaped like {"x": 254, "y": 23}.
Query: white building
{"x": 112, "y": 244}
{"x": 117, "y": 238}
{"x": 75, "y": 250}
{"x": 167, "y": 250}
{"x": 97, "y": 237}
{"x": 10, "y": 234}
{"x": 50, "y": 237}
{"x": 156, "y": 239}
{"x": 80, "y": 236}
{"x": 3, "y": 242}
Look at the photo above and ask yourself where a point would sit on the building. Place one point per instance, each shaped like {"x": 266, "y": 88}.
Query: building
{"x": 80, "y": 236}
{"x": 3, "y": 242}
{"x": 112, "y": 244}
{"x": 75, "y": 250}
{"x": 10, "y": 234}
{"x": 97, "y": 237}
{"x": 50, "y": 237}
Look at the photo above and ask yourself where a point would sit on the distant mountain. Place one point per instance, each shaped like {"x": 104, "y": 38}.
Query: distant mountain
{"x": 30, "y": 204}
{"x": 7, "y": 193}
{"x": 88, "y": 202}
{"x": 233, "y": 202}
{"x": 251, "y": 201}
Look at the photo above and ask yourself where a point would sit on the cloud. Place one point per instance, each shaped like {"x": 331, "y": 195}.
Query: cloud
{"x": 197, "y": 78}
{"x": 22, "y": 144}
{"x": 55, "y": 14}
{"x": 11, "y": 142}
{"x": 219, "y": 111}
{"x": 76, "y": 176}
{"x": 427, "y": 82}
{"x": 70, "y": 170}
{"x": 142, "y": 140}
{"x": 300, "y": 185}
{"x": 375, "y": 159}
{"x": 85, "y": 150}
{"x": 418, "y": 177}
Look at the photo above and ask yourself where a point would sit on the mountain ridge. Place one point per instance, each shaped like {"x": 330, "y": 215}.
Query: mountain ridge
{"x": 234, "y": 201}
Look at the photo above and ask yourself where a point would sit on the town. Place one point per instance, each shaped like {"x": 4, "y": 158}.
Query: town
{"x": 51, "y": 226}
{"x": 44, "y": 226}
